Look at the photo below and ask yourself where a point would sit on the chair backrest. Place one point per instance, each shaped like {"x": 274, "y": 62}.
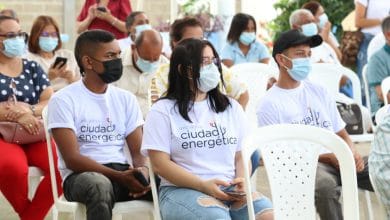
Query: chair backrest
{"x": 255, "y": 76}
{"x": 157, "y": 215}
{"x": 375, "y": 44}
{"x": 290, "y": 154}
{"x": 381, "y": 113}
{"x": 385, "y": 86}
{"x": 329, "y": 75}
{"x": 366, "y": 88}
{"x": 50, "y": 154}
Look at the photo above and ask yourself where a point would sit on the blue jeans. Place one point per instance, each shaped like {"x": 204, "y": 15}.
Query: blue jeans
{"x": 362, "y": 60}
{"x": 255, "y": 160}
{"x": 177, "y": 203}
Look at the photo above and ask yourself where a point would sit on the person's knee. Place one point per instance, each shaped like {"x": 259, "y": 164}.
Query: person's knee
{"x": 98, "y": 187}
{"x": 215, "y": 208}
{"x": 328, "y": 188}
{"x": 265, "y": 215}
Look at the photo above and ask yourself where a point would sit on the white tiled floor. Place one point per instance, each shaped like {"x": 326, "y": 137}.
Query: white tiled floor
{"x": 7, "y": 213}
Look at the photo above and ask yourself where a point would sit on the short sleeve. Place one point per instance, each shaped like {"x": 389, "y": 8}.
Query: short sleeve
{"x": 227, "y": 52}
{"x": 233, "y": 85}
{"x": 60, "y": 114}
{"x": 363, "y": 2}
{"x": 159, "y": 83}
{"x": 263, "y": 51}
{"x": 84, "y": 11}
{"x": 134, "y": 117}
{"x": 157, "y": 132}
{"x": 125, "y": 9}
{"x": 243, "y": 123}
{"x": 377, "y": 70}
{"x": 266, "y": 115}
{"x": 39, "y": 77}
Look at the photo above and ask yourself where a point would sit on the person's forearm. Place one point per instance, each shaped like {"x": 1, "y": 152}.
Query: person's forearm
{"x": 326, "y": 158}
{"x": 80, "y": 163}
{"x": 118, "y": 24}
{"x": 240, "y": 166}
{"x": 365, "y": 23}
{"x": 243, "y": 99}
{"x": 174, "y": 173}
{"x": 83, "y": 25}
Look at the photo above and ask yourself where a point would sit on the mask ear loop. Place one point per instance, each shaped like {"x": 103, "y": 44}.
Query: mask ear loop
{"x": 284, "y": 56}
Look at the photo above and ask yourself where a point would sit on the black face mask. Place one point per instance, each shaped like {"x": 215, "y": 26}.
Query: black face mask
{"x": 112, "y": 70}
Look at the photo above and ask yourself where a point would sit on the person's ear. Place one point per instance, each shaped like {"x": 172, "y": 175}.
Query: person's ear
{"x": 87, "y": 63}
{"x": 387, "y": 36}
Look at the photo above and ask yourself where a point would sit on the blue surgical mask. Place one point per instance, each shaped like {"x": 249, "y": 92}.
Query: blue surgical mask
{"x": 209, "y": 78}
{"x": 48, "y": 44}
{"x": 323, "y": 20}
{"x": 301, "y": 68}
{"x": 147, "y": 66}
{"x": 140, "y": 28}
{"x": 309, "y": 29}
{"x": 247, "y": 37}
{"x": 14, "y": 47}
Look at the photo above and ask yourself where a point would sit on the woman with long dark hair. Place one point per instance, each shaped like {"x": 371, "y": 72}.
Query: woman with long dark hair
{"x": 193, "y": 136}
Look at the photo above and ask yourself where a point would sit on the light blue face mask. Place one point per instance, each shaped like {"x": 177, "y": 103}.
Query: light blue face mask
{"x": 209, "y": 78}
{"x": 140, "y": 28}
{"x": 301, "y": 67}
{"x": 14, "y": 47}
{"x": 48, "y": 44}
{"x": 323, "y": 20}
{"x": 147, "y": 66}
{"x": 247, "y": 38}
{"x": 309, "y": 29}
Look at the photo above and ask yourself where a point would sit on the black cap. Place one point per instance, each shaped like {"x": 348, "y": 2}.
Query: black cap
{"x": 294, "y": 38}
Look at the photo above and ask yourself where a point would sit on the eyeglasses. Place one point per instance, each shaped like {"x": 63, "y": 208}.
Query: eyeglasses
{"x": 209, "y": 60}
{"x": 11, "y": 35}
{"x": 49, "y": 34}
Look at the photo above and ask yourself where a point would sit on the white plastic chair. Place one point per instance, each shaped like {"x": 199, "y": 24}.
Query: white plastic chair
{"x": 35, "y": 176}
{"x": 366, "y": 87}
{"x": 329, "y": 75}
{"x": 255, "y": 76}
{"x": 290, "y": 154}
{"x": 385, "y": 87}
{"x": 381, "y": 113}
{"x": 61, "y": 205}
{"x": 375, "y": 44}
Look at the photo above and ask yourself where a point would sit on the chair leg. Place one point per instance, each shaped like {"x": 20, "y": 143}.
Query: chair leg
{"x": 116, "y": 217}
{"x": 369, "y": 205}
{"x": 33, "y": 185}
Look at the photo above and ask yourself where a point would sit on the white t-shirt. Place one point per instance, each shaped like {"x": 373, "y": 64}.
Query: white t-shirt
{"x": 125, "y": 43}
{"x": 101, "y": 122}
{"x": 376, "y": 9}
{"x": 308, "y": 104}
{"x": 137, "y": 83}
{"x": 324, "y": 53}
{"x": 206, "y": 147}
{"x": 57, "y": 83}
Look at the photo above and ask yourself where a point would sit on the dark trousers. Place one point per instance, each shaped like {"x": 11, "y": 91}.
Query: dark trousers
{"x": 97, "y": 192}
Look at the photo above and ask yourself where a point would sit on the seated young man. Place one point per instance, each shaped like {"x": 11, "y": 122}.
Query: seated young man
{"x": 294, "y": 100}
{"x": 91, "y": 122}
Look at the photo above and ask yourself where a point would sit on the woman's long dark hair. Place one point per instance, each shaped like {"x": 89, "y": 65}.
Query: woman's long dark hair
{"x": 184, "y": 74}
{"x": 239, "y": 24}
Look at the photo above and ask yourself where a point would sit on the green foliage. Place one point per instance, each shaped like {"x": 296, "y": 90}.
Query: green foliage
{"x": 335, "y": 9}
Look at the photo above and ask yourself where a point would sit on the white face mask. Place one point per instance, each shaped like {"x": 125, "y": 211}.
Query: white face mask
{"x": 209, "y": 77}
{"x": 323, "y": 20}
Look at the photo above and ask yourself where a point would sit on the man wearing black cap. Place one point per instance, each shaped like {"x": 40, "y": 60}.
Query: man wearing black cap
{"x": 295, "y": 100}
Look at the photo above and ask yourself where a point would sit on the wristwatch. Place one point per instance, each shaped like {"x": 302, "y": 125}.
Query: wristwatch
{"x": 32, "y": 108}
